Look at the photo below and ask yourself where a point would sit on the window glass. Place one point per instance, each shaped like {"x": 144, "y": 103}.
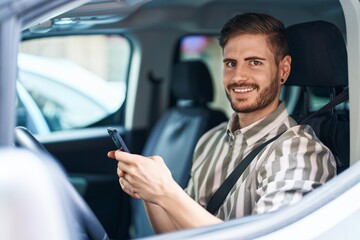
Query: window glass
{"x": 207, "y": 49}
{"x": 70, "y": 82}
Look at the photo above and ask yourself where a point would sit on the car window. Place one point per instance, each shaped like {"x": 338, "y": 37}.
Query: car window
{"x": 71, "y": 82}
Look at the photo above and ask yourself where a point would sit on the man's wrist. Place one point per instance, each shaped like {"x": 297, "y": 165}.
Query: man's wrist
{"x": 170, "y": 194}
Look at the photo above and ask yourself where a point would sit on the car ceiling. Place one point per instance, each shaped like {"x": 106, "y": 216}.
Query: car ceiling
{"x": 201, "y": 16}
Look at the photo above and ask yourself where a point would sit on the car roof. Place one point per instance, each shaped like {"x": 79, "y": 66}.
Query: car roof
{"x": 201, "y": 16}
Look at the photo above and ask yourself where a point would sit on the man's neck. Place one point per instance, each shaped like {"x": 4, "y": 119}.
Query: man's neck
{"x": 246, "y": 119}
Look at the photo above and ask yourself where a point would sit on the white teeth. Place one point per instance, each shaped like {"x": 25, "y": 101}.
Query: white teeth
{"x": 243, "y": 90}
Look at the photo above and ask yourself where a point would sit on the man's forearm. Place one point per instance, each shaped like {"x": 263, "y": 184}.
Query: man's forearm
{"x": 159, "y": 219}
{"x": 184, "y": 211}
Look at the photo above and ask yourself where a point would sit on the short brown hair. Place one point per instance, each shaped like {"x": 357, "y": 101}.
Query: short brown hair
{"x": 257, "y": 23}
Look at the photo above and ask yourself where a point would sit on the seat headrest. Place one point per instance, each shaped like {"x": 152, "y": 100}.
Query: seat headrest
{"x": 191, "y": 80}
{"x": 319, "y": 57}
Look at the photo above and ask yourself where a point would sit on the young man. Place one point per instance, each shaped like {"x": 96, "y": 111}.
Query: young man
{"x": 256, "y": 65}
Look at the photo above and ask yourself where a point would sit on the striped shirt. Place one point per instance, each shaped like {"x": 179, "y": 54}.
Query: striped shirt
{"x": 281, "y": 174}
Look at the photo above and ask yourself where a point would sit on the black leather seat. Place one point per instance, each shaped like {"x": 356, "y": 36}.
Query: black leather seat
{"x": 319, "y": 67}
{"x": 175, "y": 135}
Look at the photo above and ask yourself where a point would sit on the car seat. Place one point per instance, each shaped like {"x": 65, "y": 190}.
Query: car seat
{"x": 176, "y": 133}
{"x": 319, "y": 67}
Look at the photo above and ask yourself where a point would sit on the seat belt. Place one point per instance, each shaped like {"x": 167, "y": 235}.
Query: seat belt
{"x": 340, "y": 98}
{"x": 219, "y": 196}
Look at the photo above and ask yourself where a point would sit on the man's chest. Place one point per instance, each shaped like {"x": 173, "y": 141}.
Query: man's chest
{"x": 219, "y": 166}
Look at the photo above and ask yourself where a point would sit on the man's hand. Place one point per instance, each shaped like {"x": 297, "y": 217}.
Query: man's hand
{"x": 143, "y": 177}
{"x": 149, "y": 178}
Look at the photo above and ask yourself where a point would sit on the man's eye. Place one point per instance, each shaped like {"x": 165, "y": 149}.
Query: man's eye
{"x": 255, "y": 63}
{"x": 230, "y": 64}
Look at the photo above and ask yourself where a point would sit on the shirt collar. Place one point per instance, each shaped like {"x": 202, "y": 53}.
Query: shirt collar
{"x": 260, "y": 128}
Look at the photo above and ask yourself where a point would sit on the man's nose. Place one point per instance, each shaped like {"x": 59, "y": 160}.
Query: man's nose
{"x": 240, "y": 73}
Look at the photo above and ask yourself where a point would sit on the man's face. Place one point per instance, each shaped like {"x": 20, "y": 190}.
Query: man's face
{"x": 251, "y": 76}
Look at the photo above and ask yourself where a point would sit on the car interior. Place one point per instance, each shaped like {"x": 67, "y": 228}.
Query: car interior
{"x": 152, "y": 69}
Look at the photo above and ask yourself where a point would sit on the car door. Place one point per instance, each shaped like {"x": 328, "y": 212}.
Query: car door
{"x": 69, "y": 90}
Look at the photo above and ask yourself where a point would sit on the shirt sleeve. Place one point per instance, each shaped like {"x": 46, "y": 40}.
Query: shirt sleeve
{"x": 295, "y": 167}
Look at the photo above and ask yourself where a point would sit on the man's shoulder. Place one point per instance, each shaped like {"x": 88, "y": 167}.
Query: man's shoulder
{"x": 295, "y": 137}
{"x": 299, "y": 136}
{"x": 302, "y": 131}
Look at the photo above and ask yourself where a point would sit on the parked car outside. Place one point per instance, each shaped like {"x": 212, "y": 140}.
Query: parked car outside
{"x": 77, "y": 97}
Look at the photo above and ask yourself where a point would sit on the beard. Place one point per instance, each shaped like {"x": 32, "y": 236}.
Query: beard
{"x": 265, "y": 97}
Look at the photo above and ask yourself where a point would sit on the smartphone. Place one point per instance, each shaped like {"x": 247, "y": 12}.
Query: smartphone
{"x": 119, "y": 142}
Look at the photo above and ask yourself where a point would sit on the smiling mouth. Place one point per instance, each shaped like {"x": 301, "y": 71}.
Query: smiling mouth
{"x": 243, "y": 90}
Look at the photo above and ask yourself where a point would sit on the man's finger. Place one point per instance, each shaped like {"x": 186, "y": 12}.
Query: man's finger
{"x": 120, "y": 172}
{"x": 125, "y": 185}
{"x": 127, "y": 158}
{"x": 111, "y": 154}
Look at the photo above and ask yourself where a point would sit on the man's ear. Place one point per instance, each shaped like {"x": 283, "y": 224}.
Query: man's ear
{"x": 285, "y": 68}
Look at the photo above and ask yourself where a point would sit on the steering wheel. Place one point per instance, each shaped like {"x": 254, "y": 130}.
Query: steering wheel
{"x": 24, "y": 138}
{"x": 88, "y": 222}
